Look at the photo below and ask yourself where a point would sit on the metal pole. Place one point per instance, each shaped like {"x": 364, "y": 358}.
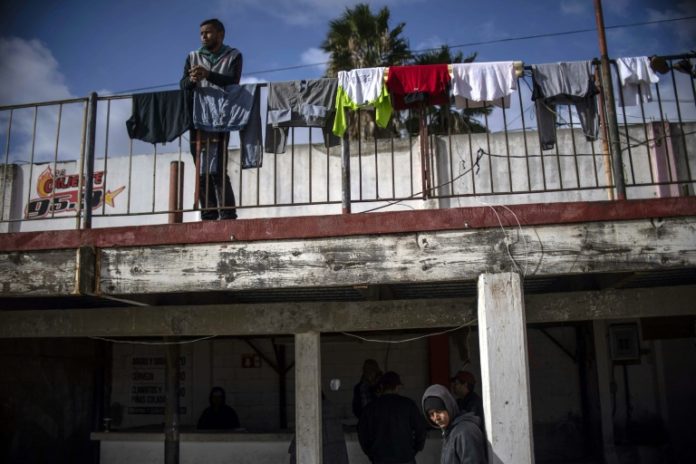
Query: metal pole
{"x": 171, "y": 409}
{"x": 610, "y": 105}
{"x": 606, "y": 158}
{"x": 176, "y": 192}
{"x": 88, "y": 181}
{"x": 282, "y": 386}
{"x": 345, "y": 170}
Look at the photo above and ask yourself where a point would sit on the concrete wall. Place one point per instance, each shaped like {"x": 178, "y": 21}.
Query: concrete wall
{"x": 654, "y": 400}
{"x": 49, "y": 392}
{"x": 49, "y": 397}
{"x": 309, "y": 176}
{"x": 253, "y": 391}
{"x": 516, "y": 164}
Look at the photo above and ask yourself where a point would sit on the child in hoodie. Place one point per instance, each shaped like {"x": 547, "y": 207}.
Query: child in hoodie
{"x": 462, "y": 438}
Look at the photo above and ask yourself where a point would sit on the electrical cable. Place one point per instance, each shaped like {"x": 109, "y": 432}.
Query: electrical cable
{"x": 139, "y": 342}
{"x": 406, "y": 340}
{"x": 427, "y": 50}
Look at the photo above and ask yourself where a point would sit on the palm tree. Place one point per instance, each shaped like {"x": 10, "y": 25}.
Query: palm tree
{"x": 361, "y": 39}
{"x": 461, "y": 121}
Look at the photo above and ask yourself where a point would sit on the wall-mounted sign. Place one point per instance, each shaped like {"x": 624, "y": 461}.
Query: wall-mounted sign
{"x": 147, "y": 395}
{"x": 59, "y": 193}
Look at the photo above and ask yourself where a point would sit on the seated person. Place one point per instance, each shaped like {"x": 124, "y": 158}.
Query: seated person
{"x": 218, "y": 416}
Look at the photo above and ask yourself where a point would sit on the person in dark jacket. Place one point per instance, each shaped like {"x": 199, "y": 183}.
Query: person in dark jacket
{"x": 462, "y": 438}
{"x": 462, "y": 387}
{"x": 391, "y": 430}
{"x": 366, "y": 390}
{"x": 213, "y": 65}
{"x": 218, "y": 416}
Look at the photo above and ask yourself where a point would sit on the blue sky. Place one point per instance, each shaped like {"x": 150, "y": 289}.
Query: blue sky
{"x": 60, "y": 49}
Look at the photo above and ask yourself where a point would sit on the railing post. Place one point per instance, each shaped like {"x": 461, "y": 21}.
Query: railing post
{"x": 345, "y": 170}
{"x": 87, "y": 180}
{"x": 610, "y": 106}
{"x": 176, "y": 192}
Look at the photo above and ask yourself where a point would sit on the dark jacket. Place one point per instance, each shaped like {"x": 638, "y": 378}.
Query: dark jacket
{"x": 160, "y": 117}
{"x": 218, "y": 418}
{"x": 391, "y": 430}
{"x": 462, "y": 440}
{"x": 473, "y": 403}
{"x": 363, "y": 394}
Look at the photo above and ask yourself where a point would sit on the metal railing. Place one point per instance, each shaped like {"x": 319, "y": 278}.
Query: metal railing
{"x": 431, "y": 158}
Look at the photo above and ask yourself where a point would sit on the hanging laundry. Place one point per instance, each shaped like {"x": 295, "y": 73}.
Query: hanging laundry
{"x": 474, "y": 84}
{"x": 636, "y": 76}
{"x": 413, "y": 86}
{"x": 159, "y": 117}
{"x": 303, "y": 103}
{"x": 568, "y": 83}
{"x": 232, "y": 108}
{"x": 360, "y": 88}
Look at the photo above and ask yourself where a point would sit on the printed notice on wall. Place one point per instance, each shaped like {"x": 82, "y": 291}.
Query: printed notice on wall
{"x": 147, "y": 391}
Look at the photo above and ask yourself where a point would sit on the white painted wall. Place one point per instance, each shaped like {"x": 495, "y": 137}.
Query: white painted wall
{"x": 299, "y": 177}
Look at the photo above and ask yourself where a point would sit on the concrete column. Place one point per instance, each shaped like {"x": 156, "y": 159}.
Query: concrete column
{"x": 504, "y": 369}
{"x": 308, "y": 398}
{"x": 604, "y": 367}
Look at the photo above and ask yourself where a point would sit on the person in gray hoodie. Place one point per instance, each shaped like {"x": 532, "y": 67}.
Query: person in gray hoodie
{"x": 462, "y": 438}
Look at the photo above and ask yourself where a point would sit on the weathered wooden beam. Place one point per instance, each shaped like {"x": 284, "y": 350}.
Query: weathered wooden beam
{"x": 248, "y": 319}
{"x": 627, "y": 246}
{"x": 42, "y": 273}
{"x": 611, "y": 304}
{"x": 343, "y": 225}
{"x": 291, "y": 318}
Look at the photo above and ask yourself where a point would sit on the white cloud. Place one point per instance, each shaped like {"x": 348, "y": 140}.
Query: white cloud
{"x": 618, "y": 7}
{"x": 29, "y": 73}
{"x": 574, "y": 7}
{"x": 252, "y": 80}
{"x": 489, "y": 30}
{"x": 684, "y": 31}
{"x": 315, "y": 56}
{"x": 430, "y": 43}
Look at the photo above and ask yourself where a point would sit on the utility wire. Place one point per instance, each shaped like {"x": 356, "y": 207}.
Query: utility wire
{"x": 426, "y": 50}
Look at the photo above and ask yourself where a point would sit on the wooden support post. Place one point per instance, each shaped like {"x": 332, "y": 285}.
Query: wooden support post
{"x": 604, "y": 381}
{"x": 171, "y": 408}
{"x": 504, "y": 368}
{"x": 308, "y": 398}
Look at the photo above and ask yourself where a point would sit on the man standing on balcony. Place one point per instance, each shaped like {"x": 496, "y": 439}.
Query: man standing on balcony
{"x": 213, "y": 65}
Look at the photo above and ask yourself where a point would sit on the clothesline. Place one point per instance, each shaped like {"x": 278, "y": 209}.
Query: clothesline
{"x": 324, "y": 103}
